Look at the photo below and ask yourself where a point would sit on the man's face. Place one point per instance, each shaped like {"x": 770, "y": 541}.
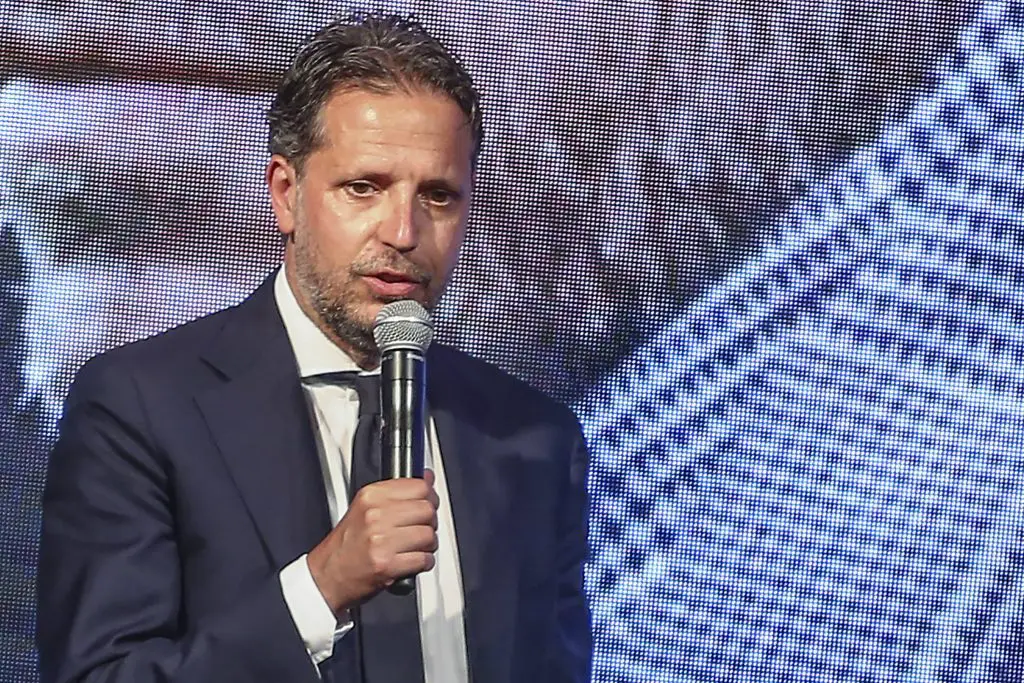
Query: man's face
{"x": 380, "y": 211}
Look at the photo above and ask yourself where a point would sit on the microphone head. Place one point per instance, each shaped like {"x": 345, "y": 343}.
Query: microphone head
{"x": 403, "y": 325}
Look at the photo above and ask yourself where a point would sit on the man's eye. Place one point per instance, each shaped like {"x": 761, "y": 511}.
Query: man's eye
{"x": 440, "y": 197}
{"x": 360, "y": 188}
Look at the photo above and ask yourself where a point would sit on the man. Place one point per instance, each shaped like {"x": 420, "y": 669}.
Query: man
{"x": 190, "y": 499}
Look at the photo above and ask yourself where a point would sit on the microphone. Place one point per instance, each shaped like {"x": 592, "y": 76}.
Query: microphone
{"x": 403, "y": 330}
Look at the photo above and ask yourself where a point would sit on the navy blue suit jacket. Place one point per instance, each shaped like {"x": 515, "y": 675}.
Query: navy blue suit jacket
{"x": 186, "y": 476}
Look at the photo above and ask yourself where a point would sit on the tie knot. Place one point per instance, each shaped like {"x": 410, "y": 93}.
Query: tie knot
{"x": 368, "y": 388}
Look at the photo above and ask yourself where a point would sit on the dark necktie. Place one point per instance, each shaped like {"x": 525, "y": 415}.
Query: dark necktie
{"x": 387, "y": 626}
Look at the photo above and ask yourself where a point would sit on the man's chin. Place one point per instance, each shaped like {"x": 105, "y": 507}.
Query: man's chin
{"x": 370, "y": 302}
{"x": 367, "y": 313}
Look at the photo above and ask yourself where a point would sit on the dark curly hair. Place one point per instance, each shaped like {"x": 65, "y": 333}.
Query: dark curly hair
{"x": 374, "y": 52}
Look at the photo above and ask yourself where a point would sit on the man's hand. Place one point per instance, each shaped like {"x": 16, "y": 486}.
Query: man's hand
{"x": 389, "y": 532}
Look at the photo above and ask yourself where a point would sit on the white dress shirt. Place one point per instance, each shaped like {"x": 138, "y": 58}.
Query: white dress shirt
{"x": 335, "y": 410}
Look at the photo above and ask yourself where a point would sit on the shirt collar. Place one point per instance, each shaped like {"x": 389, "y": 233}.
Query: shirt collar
{"x": 314, "y": 352}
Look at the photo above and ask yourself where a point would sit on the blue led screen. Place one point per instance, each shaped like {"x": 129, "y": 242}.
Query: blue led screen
{"x": 815, "y": 472}
{"x": 769, "y": 254}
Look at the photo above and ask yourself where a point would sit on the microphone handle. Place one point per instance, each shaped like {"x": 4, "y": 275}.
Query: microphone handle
{"x": 403, "y": 402}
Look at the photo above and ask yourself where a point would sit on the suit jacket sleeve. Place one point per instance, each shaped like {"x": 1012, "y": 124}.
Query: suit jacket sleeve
{"x": 571, "y": 658}
{"x": 109, "y": 584}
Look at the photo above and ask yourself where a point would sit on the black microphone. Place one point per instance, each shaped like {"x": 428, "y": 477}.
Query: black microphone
{"x": 403, "y": 330}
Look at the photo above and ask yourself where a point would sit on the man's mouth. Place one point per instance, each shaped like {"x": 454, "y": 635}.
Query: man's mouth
{"x": 393, "y": 284}
{"x": 395, "y": 276}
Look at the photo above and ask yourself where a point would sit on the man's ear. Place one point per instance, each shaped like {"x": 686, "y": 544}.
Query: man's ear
{"x": 283, "y": 185}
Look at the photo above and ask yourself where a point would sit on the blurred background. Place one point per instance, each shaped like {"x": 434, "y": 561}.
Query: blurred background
{"x": 769, "y": 252}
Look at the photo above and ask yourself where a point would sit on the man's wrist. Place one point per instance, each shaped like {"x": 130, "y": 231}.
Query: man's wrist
{"x": 314, "y": 619}
{"x": 315, "y": 566}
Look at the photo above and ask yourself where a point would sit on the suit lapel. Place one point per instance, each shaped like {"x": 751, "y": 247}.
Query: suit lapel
{"x": 261, "y": 424}
{"x": 480, "y": 502}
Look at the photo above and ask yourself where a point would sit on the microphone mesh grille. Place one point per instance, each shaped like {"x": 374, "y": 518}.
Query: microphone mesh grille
{"x": 403, "y": 324}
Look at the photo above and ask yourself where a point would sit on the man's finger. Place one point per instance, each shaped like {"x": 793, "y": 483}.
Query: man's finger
{"x": 408, "y": 513}
{"x": 410, "y": 539}
{"x": 408, "y": 564}
{"x": 395, "y": 489}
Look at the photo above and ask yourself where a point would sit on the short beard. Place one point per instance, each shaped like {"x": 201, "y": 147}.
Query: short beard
{"x": 335, "y": 306}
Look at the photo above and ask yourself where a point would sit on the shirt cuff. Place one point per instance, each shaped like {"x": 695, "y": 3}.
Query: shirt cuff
{"x": 314, "y": 620}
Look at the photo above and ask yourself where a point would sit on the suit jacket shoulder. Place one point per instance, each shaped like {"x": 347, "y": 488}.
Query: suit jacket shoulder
{"x": 492, "y": 389}
{"x": 178, "y": 354}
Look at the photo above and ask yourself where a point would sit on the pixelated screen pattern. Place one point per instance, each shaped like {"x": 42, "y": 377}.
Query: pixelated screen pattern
{"x": 805, "y": 466}
{"x": 815, "y": 474}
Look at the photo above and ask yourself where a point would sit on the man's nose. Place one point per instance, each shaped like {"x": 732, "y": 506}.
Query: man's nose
{"x": 402, "y": 227}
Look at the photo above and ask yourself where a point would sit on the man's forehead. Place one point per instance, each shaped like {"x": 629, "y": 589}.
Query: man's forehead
{"x": 371, "y": 129}
{"x": 418, "y": 111}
